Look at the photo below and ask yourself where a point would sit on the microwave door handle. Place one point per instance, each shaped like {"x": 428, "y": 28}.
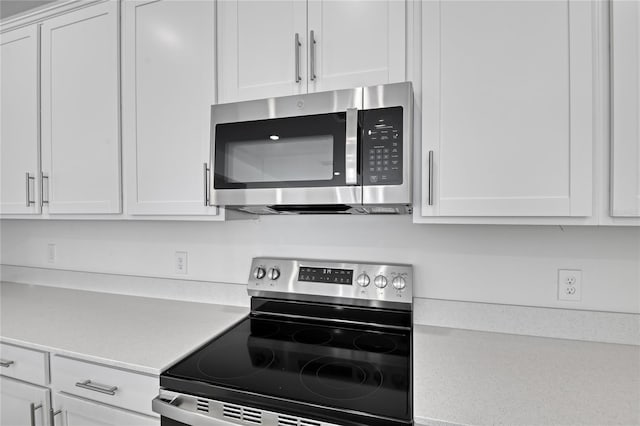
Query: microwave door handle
{"x": 351, "y": 148}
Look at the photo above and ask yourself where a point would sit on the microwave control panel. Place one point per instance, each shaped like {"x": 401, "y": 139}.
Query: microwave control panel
{"x": 382, "y": 146}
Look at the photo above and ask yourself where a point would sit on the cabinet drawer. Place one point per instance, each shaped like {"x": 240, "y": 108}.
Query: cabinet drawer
{"x": 108, "y": 385}
{"x": 24, "y": 364}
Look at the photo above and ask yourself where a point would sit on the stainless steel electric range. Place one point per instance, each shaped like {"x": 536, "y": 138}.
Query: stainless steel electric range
{"x": 326, "y": 343}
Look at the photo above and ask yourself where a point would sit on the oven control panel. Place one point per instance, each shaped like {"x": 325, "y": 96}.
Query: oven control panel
{"x": 331, "y": 279}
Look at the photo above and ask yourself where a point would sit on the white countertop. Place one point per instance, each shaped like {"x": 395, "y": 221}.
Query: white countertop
{"x": 480, "y": 378}
{"x": 136, "y": 333}
{"x": 461, "y": 377}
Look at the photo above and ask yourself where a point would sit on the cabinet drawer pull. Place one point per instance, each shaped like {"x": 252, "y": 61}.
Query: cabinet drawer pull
{"x": 5, "y": 363}
{"x": 32, "y": 412}
{"x": 52, "y": 416}
{"x": 29, "y": 178}
{"x": 96, "y": 387}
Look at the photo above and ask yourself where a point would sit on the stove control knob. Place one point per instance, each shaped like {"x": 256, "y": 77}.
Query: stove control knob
{"x": 399, "y": 283}
{"x": 273, "y": 274}
{"x": 363, "y": 280}
{"x": 259, "y": 272}
{"x": 380, "y": 281}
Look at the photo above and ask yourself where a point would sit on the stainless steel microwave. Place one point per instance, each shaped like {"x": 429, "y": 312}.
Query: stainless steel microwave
{"x": 344, "y": 151}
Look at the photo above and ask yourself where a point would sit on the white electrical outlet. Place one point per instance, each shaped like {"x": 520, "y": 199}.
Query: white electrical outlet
{"x": 181, "y": 262}
{"x": 570, "y": 284}
{"x": 51, "y": 253}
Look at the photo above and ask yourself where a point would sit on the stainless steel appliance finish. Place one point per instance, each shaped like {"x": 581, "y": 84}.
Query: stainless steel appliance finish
{"x": 196, "y": 411}
{"x": 372, "y": 284}
{"x": 353, "y": 195}
{"x": 327, "y": 343}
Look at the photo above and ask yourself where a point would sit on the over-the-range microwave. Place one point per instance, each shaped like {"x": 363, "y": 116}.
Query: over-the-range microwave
{"x": 343, "y": 151}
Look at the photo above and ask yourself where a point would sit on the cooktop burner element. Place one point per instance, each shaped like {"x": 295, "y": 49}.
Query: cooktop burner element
{"x": 343, "y": 361}
{"x": 334, "y": 378}
{"x": 245, "y": 363}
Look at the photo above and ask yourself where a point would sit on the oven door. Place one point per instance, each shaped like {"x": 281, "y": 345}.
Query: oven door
{"x": 294, "y": 150}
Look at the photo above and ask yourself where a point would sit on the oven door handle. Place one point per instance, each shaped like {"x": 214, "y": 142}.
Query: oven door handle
{"x": 351, "y": 148}
{"x": 170, "y": 408}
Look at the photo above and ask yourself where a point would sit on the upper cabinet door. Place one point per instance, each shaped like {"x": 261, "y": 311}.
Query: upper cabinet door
{"x": 169, "y": 87}
{"x": 507, "y": 108}
{"x": 19, "y": 163}
{"x": 356, "y": 43}
{"x": 625, "y": 104}
{"x": 262, "y": 49}
{"x": 80, "y": 110}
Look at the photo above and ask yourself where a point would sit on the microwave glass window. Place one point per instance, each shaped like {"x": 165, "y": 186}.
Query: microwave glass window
{"x": 279, "y": 159}
{"x": 288, "y": 152}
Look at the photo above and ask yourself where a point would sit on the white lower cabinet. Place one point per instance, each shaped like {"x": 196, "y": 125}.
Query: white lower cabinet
{"x": 23, "y": 404}
{"x": 101, "y": 383}
{"x": 79, "y": 412}
{"x": 80, "y": 393}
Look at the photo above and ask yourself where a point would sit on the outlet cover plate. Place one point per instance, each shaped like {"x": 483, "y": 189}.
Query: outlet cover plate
{"x": 181, "y": 263}
{"x": 570, "y": 285}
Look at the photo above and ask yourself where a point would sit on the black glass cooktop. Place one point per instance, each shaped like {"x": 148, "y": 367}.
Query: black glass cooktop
{"x": 341, "y": 368}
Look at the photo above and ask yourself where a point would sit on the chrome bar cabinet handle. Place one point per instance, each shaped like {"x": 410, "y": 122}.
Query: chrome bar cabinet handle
{"x": 351, "y": 148}
{"x": 28, "y": 179}
{"x": 96, "y": 387}
{"x": 32, "y": 411}
{"x": 205, "y": 171}
{"x": 6, "y": 363}
{"x": 42, "y": 188}
{"x": 312, "y": 56}
{"x": 52, "y": 416}
{"x": 430, "y": 178}
{"x": 297, "y": 54}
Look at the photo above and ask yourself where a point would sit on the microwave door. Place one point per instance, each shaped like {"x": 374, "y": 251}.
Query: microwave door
{"x": 301, "y": 160}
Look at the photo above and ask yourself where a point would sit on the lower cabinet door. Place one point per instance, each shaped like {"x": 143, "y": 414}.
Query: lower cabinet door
{"x": 23, "y": 404}
{"x": 80, "y": 412}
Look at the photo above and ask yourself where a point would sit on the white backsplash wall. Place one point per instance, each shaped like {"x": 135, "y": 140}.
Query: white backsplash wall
{"x": 514, "y": 265}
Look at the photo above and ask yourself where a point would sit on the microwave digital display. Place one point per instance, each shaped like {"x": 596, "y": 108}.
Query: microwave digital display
{"x": 326, "y": 275}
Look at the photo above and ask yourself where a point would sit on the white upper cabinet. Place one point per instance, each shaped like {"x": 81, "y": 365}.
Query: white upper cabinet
{"x": 81, "y": 109}
{"x": 19, "y": 122}
{"x": 625, "y": 104}
{"x": 257, "y": 50}
{"x": 265, "y": 48}
{"x": 356, "y": 43}
{"x": 169, "y": 73}
{"x": 507, "y": 109}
